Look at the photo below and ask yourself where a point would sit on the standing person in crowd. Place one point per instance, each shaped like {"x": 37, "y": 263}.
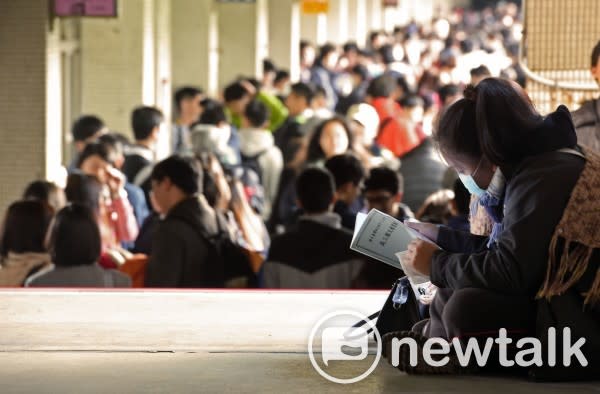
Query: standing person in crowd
{"x": 307, "y": 60}
{"x": 46, "y": 192}
{"x": 288, "y": 137}
{"x": 22, "y": 248}
{"x": 348, "y": 174}
{"x": 587, "y": 118}
{"x": 460, "y": 208}
{"x": 145, "y": 122}
{"x": 479, "y": 73}
{"x": 504, "y": 150}
{"x": 393, "y": 133}
{"x": 281, "y": 84}
{"x": 360, "y": 81}
{"x": 187, "y": 106}
{"x": 324, "y": 73}
{"x": 212, "y": 133}
{"x": 181, "y": 249}
{"x": 86, "y": 129}
{"x": 237, "y": 96}
{"x": 259, "y": 152}
{"x": 331, "y": 138}
{"x": 315, "y": 253}
{"x": 75, "y": 246}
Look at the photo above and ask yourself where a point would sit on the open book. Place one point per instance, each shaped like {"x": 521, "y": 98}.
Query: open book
{"x": 386, "y": 239}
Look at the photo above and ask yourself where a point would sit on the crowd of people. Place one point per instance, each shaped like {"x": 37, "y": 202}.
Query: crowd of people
{"x": 265, "y": 181}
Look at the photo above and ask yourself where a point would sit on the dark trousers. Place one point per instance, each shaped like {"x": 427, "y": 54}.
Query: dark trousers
{"x": 479, "y": 313}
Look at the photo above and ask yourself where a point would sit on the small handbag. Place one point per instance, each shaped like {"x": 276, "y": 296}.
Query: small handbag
{"x": 399, "y": 312}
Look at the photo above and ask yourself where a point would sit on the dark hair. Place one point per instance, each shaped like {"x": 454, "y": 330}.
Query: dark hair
{"x": 257, "y": 113}
{"x": 112, "y": 142}
{"x": 466, "y": 46}
{"x": 213, "y": 114}
{"x": 387, "y": 54}
{"x": 480, "y": 71}
{"x": 319, "y": 91}
{"x": 361, "y": 71}
{"x": 86, "y": 127}
{"x": 234, "y": 91}
{"x": 345, "y": 168}
{"x": 315, "y": 152}
{"x": 144, "y": 120}
{"x": 350, "y": 46}
{"x": 382, "y": 86}
{"x": 384, "y": 178}
{"x": 456, "y": 131}
{"x": 181, "y": 172}
{"x": 209, "y": 184}
{"x": 268, "y": 66}
{"x": 595, "y": 54}
{"x": 95, "y": 149}
{"x": 44, "y": 191}
{"x": 436, "y": 209}
{"x": 462, "y": 197}
{"x": 315, "y": 189}
{"x": 494, "y": 119}
{"x": 412, "y": 101}
{"x": 75, "y": 237}
{"x": 84, "y": 189}
{"x": 304, "y": 90}
{"x": 24, "y": 228}
{"x": 447, "y": 91}
{"x": 281, "y": 75}
{"x": 305, "y": 44}
{"x": 185, "y": 92}
{"x": 324, "y": 51}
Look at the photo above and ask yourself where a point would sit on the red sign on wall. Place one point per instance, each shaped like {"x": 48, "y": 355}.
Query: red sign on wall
{"x": 85, "y": 7}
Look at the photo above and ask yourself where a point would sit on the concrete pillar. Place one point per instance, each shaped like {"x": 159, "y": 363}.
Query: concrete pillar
{"x": 357, "y": 21}
{"x": 116, "y": 71}
{"x": 313, "y": 27}
{"x": 243, "y": 39}
{"x": 284, "y": 35}
{"x": 162, "y": 76}
{"x": 194, "y": 28}
{"x": 28, "y": 130}
{"x": 374, "y": 15}
{"x": 337, "y": 21}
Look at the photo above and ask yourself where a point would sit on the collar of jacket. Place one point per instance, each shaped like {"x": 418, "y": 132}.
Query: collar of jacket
{"x": 555, "y": 132}
{"x": 329, "y": 219}
{"x": 140, "y": 150}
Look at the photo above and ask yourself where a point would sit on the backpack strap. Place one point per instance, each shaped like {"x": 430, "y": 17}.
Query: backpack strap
{"x": 143, "y": 175}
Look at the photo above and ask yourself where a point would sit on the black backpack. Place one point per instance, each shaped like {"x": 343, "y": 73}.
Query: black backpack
{"x": 228, "y": 263}
{"x": 251, "y": 177}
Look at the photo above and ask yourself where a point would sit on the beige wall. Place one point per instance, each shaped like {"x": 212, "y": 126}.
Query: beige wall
{"x": 111, "y": 64}
{"x": 23, "y": 99}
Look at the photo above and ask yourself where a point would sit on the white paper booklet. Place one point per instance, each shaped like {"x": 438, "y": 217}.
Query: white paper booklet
{"x": 386, "y": 239}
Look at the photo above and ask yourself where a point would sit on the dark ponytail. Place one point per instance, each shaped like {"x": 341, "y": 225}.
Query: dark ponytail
{"x": 505, "y": 117}
{"x": 494, "y": 119}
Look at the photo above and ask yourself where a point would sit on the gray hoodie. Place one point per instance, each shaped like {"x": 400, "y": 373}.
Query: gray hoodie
{"x": 258, "y": 141}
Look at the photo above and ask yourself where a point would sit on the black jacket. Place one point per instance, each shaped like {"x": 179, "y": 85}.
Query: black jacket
{"x": 311, "y": 255}
{"x": 536, "y": 196}
{"x": 179, "y": 251}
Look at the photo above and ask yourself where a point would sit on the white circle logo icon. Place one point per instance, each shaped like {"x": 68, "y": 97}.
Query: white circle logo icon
{"x": 335, "y": 338}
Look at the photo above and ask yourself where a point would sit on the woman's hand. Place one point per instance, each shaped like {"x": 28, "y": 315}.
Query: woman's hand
{"x": 419, "y": 256}
{"x": 429, "y": 230}
{"x": 115, "y": 181}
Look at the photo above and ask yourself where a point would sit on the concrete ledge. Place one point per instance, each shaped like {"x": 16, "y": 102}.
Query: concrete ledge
{"x": 203, "y": 320}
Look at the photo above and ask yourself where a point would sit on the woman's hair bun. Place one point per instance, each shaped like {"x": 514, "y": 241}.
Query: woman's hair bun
{"x": 470, "y": 93}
